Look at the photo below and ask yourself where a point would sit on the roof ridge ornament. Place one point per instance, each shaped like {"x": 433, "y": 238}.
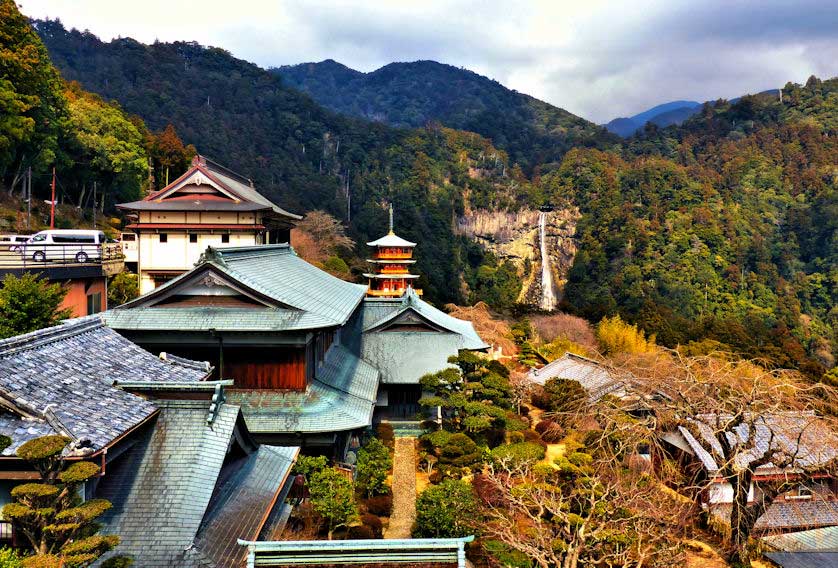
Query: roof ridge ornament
{"x": 391, "y": 219}
{"x": 211, "y": 255}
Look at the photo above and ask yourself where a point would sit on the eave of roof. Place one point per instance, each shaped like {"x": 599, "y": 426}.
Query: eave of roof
{"x": 391, "y": 240}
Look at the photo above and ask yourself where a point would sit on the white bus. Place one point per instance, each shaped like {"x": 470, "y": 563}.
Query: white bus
{"x": 68, "y": 245}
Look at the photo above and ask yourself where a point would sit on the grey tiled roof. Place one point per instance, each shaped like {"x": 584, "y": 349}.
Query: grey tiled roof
{"x": 822, "y": 539}
{"x": 160, "y": 490}
{"x": 785, "y": 514}
{"x": 239, "y": 505}
{"x": 64, "y": 375}
{"x": 593, "y": 377}
{"x": 378, "y": 313}
{"x": 804, "y": 559}
{"x": 203, "y": 318}
{"x": 404, "y": 357}
{"x": 817, "y": 444}
{"x": 342, "y": 397}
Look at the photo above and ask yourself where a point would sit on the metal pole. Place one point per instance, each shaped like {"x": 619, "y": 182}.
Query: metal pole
{"x": 94, "y": 204}
{"x": 29, "y": 199}
{"x": 52, "y": 203}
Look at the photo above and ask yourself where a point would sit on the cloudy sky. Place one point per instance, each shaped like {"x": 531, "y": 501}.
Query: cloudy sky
{"x": 595, "y": 58}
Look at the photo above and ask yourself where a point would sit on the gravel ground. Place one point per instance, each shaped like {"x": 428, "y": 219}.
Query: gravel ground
{"x": 404, "y": 489}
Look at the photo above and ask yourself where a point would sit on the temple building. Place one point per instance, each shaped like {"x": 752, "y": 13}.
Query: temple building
{"x": 208, "y": 205}
{"x": 184, "y": 475}
{"x": 311, "y": 357}
{"x": 392, "y": 256}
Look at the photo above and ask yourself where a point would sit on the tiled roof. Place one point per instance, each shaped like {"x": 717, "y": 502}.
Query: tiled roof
{"x": 201, "y": 318}
{"x": 307, "y": 297}
{"x": 238, "y": 507}
{"x": 342, "y": 397}
{"x": 593, "y": 377}
{"x": 817, "y": 444}
{"x": 231, "y": 183}
{"x": 377, "y": 313}
{"x": 281, "y": 274}
{"x": 822, "y": 539}
{"x": 804, "y": 559}
{"x": 403, "y": 357}
{"x": 161, "y": 489}
{"x": 783, "y": 515}
{"x": 244, "y": 190}
{"x": 62, "y": 377}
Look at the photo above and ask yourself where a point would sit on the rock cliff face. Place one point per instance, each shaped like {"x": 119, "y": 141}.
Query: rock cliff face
{"x": 514, "y": 236}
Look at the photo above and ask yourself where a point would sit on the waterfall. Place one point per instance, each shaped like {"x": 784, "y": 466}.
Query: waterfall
{"x": 548, "y": 296}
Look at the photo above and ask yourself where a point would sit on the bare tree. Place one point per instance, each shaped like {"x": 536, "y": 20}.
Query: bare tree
{"x": 588, "y": 509}
{"x": 758, "y": 432}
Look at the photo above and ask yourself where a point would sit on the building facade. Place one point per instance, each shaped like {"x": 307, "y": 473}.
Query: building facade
{"x": 208, "y": 205}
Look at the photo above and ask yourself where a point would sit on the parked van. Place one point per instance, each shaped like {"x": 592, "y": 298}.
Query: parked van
{"x": 13, "y": 242}
{"x": 65, "y": 245}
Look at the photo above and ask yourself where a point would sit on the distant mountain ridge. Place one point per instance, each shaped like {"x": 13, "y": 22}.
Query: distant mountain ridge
{"x": 663, "y": 115}
{"x": 413, "y": 94}
{"x": 666, "y": 114}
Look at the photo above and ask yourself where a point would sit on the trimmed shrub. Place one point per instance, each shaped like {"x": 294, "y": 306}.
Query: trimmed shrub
{"x": 446, "y": 510}
{"x": 384, "y": 432}
{"x": 518, "y": 454}
{"x": 550, "y": 431}
{"x": 374, "y": 523}
{"x": 360, "y": 532}
{"x": 380, "y": 505}
{"x": 533, "y": 437}
{"x": 460, "y": 451}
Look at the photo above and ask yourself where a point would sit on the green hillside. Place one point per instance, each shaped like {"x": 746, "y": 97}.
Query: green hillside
{"x": 719, "y": 234}
{"x": 533, "y": 133}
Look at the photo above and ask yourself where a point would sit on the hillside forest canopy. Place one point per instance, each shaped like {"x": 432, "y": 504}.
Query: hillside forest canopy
{"x": 720, "y": 234}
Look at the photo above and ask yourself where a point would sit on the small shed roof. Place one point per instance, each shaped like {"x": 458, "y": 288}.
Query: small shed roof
{"x": 821, "y": 539}
{"x": 593, "y": 377}
{"x": 378, "y": 313}
{"x": 804, "y": 559}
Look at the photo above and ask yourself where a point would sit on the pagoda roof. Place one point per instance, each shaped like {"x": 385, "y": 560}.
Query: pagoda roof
{"x": 402, "y": 276}
{"x": 207, "y": 186}
{"x": 391, "y": 239}
{"x": 287, "y": 294}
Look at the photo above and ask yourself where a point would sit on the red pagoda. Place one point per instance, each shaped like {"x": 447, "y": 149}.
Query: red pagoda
{"x": 392, "y": 255}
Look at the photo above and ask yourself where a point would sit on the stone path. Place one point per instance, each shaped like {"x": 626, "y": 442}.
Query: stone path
{"x": 404, "y": 489}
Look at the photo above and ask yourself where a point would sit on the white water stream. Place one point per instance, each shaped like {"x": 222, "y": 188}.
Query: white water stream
{"x": 548, "y": 295}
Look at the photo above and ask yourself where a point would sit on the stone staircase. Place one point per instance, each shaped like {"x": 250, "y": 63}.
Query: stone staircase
{"x": 406, "y": 428}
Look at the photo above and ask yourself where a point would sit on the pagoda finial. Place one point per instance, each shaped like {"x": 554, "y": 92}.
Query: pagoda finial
{"x": 391, "y": 218}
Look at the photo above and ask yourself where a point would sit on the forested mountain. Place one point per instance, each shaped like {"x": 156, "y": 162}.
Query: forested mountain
{"x": 532, "y": 132}
{"x": 720, "y": 233}
{"x": 298, "y": 153}
{"x": 723, "y": 231}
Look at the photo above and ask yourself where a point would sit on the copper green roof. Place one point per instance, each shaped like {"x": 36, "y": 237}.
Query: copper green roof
{"x": 203, "y": 318}
{"x": 296, "y": 295}
{"x": 341, "y": 398}
{"x": 378, "y": 313}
